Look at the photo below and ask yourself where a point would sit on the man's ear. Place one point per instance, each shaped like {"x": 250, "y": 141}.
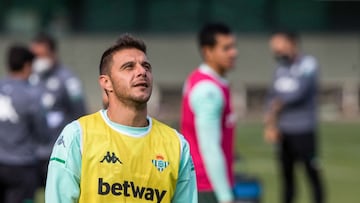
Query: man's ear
{"x": 206, "y": 52}
{"x": 27, "y": 69}
{"x": 105, "y": 83}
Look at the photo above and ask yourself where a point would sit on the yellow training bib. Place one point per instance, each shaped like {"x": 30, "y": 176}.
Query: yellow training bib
{"x": 121, "y": 168}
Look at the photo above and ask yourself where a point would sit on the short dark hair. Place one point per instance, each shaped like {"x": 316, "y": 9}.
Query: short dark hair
{"x": 207, "y": 35}
{"x": 125, "y": 41}
{"x": 290, "y": 35}
{"x": 17, "y": 56}
{"x": 47, "y": 39}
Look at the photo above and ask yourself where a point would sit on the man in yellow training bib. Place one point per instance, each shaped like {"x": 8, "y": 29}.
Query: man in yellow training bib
{"x": 121, "y": 154}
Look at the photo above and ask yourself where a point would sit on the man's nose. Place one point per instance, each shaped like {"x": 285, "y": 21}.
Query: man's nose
{"x": 236, "y": 52}
{"x": 233, "y": 52}
{"x": 140, "y": 70}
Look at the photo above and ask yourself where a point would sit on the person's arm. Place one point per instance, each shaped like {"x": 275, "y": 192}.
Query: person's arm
{"x": 271, "y": 131}
{"x": 63, "y": 178}
{"x": 186, "y": 190}
{"x": 272, "y": 108}
{"x": 37, "y": 119}
{"x": 76, "y": 97}
{"x": 305, "y": 82}
{"x": 269, "y": 106}
{"x": 207, "y": 102}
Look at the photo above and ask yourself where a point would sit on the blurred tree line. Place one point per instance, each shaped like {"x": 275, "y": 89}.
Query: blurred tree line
{"x": 178, "y": 15}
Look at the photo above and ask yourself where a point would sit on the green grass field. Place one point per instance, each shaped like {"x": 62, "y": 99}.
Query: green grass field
{"x": 339, "y": 155}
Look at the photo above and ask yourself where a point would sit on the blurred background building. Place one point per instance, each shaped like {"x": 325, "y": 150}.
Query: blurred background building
{"x": 84, "y": 28}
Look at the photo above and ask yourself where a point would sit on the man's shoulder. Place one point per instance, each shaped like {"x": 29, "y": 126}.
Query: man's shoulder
{"x": 19, "y": 89}
{"x": 69, "y": 138}
{"x": 2, "y": 81}
{"x": 164, "y": 128}
{"x": 193, "y": 72}
{"x": 63, "y": 72}
{"x": 93, "y": 117}
{"x": 69, "y": 81}
{"x": 5, "y": 85}
{"x": 157, "y": 123}
{"x": 308, "y": 65}
{"x": 70, "y": 132}
{"x": 308, "y": 60}
{"x": 207, "y": 84}
{"x": 206, "y": 90}
{"x": 170, "y": 133}
{"x": 198, "y": 75}
{"x": 309, "y": 57}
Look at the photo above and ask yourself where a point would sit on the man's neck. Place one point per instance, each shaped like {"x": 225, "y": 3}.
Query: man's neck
{"x": 18, "y": 75}
{"x": 218, "y": 70}
{"x": 127, "y": 115}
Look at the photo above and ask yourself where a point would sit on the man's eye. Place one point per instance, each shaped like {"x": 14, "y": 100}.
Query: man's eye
{"x": 128, "y": 66}
{"x": 147, "y": 66}
{"x": 229, "y": 47}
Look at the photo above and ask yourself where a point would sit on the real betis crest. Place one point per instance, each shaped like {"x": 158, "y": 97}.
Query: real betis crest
{"x": 159, "y": 163}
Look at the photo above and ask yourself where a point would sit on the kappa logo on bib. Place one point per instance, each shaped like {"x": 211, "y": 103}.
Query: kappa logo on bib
{"x": 111, "y": 158}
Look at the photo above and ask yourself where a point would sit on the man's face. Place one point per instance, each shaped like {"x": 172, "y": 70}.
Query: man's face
{"x": 27, "y": 69}
{"x": 41, "y": 50}
{"x": 130, "y": 77}
{"x": 44, "y": 57}
{"x": 282, "y": 46}
{"x": 224, "y": 52}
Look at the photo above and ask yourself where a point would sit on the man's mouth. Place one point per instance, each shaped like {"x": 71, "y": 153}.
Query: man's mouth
{"x": 141, "y": 84}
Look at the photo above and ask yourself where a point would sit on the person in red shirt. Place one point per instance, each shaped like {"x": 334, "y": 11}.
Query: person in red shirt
{"x": 207, "y": 119}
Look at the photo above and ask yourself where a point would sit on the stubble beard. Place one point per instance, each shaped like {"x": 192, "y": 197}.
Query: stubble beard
{"x": 137, "y": 102}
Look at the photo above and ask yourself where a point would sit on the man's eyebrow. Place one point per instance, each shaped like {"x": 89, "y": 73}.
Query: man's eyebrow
{"x": 127, "y": 63}
{"x": 146, "y": 62}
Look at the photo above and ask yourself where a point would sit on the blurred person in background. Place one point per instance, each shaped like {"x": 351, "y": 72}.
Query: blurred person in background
{"x": 207, "y": 119}
{"x": 62, "y": 93}
{"x": 22, "y": 127}
{"x": 291, "y": 115}
{"x": 120, "y": 154}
